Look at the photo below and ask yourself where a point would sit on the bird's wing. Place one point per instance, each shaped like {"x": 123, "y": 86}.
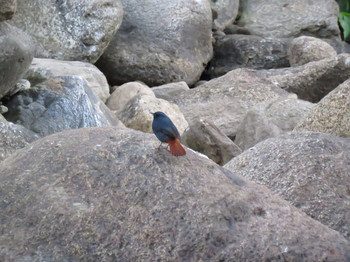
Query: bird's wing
{"x": 168, "y": 129}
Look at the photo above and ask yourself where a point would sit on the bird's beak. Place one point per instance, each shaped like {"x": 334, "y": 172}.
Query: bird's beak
{"x": 152, "y": 113}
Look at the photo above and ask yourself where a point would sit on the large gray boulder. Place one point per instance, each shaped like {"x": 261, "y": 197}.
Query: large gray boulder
{"x": 13, "y": 137}
{"x": 136, "y": 113}
{"x": 168, "y": 91}
{"x": 16, "y": 54}
{"x": 305, "y": 49}
{"x": 226, "y": 100}
{"x": 59, "y": 103}
{"x": 107, "y": 194}
{"x": 310, "y": 170}
{"x": 271, "y": 119}
{"x": 283, "y": 19}
{"x": 160, "y": 42}
{"x": 224, "y": 13}
{"x": 250, "y": 51}
{"x": 205, "y": 137}
{"x": 313, "y": 80}
{"x": 69, "y": 29}
{"x": 331, "y": 114}
{"x": 44, "y": 69}
{"x": 7, "y": 9}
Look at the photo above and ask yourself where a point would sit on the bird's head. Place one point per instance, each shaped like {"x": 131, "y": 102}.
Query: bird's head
{"x": 158, "y": 114}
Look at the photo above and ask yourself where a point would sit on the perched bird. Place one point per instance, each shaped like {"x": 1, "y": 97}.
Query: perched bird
{"x": 166, "y": 132}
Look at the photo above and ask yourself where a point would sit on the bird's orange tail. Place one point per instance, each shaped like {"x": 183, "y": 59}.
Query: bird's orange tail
{"x": 176, "y": 149}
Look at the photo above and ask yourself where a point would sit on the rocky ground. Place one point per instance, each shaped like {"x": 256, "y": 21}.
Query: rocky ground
{"x": 258, "y": 89}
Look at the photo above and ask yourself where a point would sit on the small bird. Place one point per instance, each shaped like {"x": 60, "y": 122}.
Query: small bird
{"x": 166, "y": 132}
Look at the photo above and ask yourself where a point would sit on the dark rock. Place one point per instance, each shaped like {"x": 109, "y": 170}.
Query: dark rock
{"x": 16, "y": 54}
{"x": 57, "y": 104}
{"x": 107, "y": 194}
{"x": 13, "y": 137}
{"x": 310, "y": 170}
{"x": 69, "y": 29}
{"x": 247, "y": 51}
{"x": 7, "y": 9}
{"x": 158, "y": 45}
{"x": 236, "y": 30}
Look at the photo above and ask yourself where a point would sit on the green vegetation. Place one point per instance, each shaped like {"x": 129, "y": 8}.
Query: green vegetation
{"x": 344, "y": 18}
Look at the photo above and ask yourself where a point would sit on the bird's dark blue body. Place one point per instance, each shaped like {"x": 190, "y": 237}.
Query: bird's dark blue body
{"x": 164, "y": 128}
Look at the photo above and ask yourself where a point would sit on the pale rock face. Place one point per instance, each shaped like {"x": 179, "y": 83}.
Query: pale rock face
{"x": 330, "y": 115}
{"x": 43, "y": 69}
{"x": 136, "y": 114}
{"x": 124, "y": 93}
{"x": 276, "y": 18}
{"x": 69, "y": 29}
{"x": 305, "y": 49}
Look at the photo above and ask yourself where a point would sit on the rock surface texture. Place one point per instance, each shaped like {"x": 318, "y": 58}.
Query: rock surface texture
{"x": 158, "y": 45}
{"x": 69, "y": 29}
{"x": 276, "y": 18}
{"x": 310, "y": 170}
{"x": 57, "y": 104}
{"x": 13, "y": 137}
{"x": 7, "y": 9}
{"x": 123, "y": 199}
{"x": 331, "y": 114}
{"x": 247, "y": 51}
{"x": 305, "y": 49}
{"x": 16, "y": 54}
{"x": 44, "y": 69}
{"x": 224, "y": 13}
